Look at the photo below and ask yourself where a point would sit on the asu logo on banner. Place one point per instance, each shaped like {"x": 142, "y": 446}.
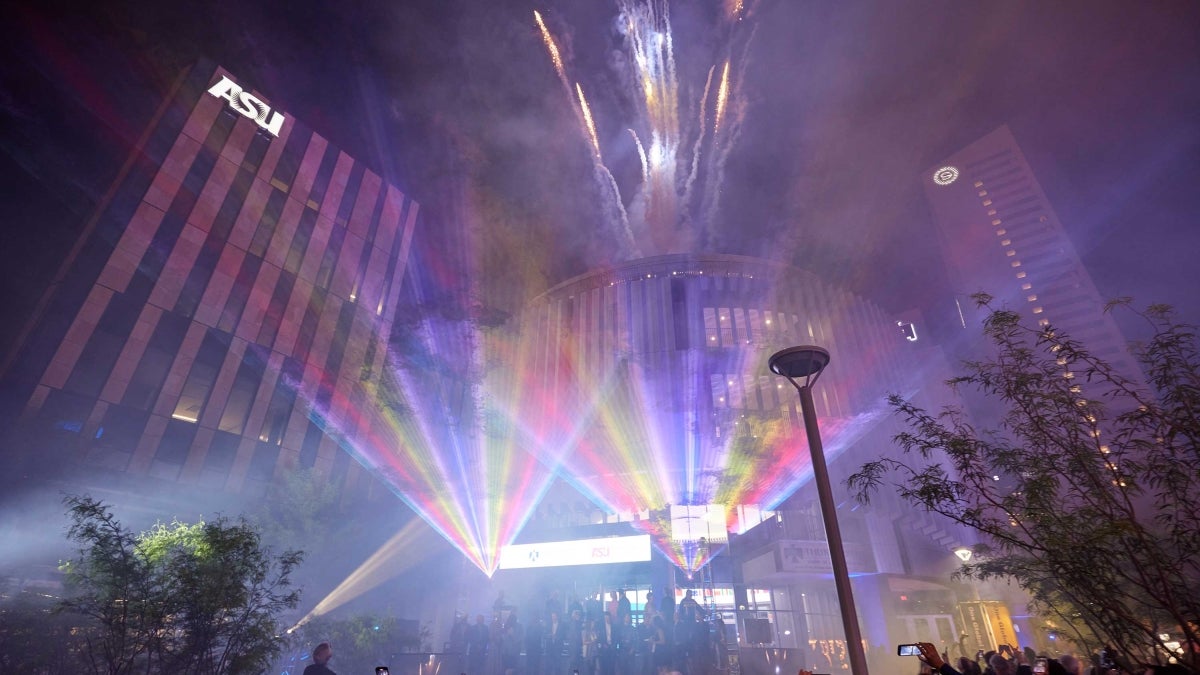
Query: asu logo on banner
{"x": 247, "y": 104}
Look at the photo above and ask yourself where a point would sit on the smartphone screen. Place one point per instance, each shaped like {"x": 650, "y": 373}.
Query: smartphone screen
{"x": 908, "y": 650}
{"x": 381, "y": 670}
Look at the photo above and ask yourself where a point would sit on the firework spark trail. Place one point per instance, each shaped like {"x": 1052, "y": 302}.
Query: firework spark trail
{"x": 588, "y": 122}
{"x": 555, "y": 55}
{"x": 722, "y": 98}
{"x": 607, "y": 185}
{"x": 736, "y": 115}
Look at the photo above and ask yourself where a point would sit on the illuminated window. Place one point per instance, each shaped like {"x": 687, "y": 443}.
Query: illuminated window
{"x": 1016, "y": 263}
{"x": 997, "y": 221}
{"x": 1037, "y": 310}
{"x": 1010, "y": 253}
{"x": 1020, "y": 275}
{"x": 978, "y": 183}
{"x": 1026, "y": 286}
{"x": 1032, "y": 298}
{"x": 983, "y": 193}
{"x": 1005, "y": 242}
{"x": 1001, "y": 232}
{"x": 1043, "y": 322}
{"x": 991, "y": 212}
{"x": 987, "y": 202}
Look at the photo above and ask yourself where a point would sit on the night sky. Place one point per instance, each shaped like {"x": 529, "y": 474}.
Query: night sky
{"x": 457, "y": 102}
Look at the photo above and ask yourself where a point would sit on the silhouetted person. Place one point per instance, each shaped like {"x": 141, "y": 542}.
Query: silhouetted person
{"x": 624, "y": 608}
{"x": 477, "y": 643}
{"x": 320, "y": 656}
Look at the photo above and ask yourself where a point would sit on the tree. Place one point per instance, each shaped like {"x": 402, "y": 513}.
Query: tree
{"x": 1096, "y": 513}
{"x": 178, "y": 598}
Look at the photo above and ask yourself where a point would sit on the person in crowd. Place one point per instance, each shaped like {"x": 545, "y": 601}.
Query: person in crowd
{"x": 574, "y": 641}
{"x": 589, "y": 645}
{"x": 1000, "y": 665}
{"x": 320, "y": 656}
{"x": 535, "y": 640}
{"x": 644, "y": 656}
{"x": 930, "y": 656}
{"x": 574, "y": 605}
{"x": 688, "y": 607}
{"x": 986, "y": 664}
{"x": 606, "y": 639}
{"x": 968, "y": 666}
{"x": 660, "y": 648}
{"x": 681, "y": 642}
{"x": 495, "y": 652}
{"x": 511, "y": 643}
{"x": 625, "y": 645}
{"x": 556, "y": 637}
{"x": 594, "y": 606}
{"x": 477, "y": 644}
{"x": 667, "y": 608}
{"x": 458, "y": 634}
{"x": 624, "y": 608}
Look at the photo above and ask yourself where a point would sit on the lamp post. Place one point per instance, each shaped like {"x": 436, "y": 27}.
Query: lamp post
{"x": 802, "y": 366}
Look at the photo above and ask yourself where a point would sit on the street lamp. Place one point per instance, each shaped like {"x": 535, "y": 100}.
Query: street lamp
{"x": 802, "y": 366}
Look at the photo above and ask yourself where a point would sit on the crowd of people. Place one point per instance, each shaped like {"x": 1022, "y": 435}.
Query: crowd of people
{"x": 591, "y": 637}
{"x": 1011, "y": 661}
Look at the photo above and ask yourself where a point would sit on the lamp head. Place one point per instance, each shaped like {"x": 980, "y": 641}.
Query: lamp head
{"x": 798, "y": 362}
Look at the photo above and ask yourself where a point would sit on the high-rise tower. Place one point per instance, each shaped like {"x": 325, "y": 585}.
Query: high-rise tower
{"x": 1000, "y": 235}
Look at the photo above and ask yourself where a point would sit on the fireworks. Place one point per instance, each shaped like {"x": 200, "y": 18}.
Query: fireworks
{"x": 674, "y": 156}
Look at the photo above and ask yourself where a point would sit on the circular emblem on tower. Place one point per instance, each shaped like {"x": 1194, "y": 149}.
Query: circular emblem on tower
{"x": 945, "y": 175}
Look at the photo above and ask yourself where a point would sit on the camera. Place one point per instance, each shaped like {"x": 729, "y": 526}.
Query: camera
{"x": 908, "y": 650}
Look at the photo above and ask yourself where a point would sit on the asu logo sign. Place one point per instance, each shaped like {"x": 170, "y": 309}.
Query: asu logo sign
{"x": 248, "y": 105}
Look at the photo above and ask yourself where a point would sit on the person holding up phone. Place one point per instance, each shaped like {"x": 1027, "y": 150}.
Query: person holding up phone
{"x": 929, "y": 654}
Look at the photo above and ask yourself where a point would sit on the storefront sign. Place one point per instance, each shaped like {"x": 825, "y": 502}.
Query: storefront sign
{"x": 606, "y": 550}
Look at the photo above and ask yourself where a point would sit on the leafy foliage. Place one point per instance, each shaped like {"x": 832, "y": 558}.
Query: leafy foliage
{"x": 1096, "y": 512}
{"x": 179, "y": 598}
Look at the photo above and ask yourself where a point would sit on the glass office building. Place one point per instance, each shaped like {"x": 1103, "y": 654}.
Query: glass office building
{"x": 237, "y": 282}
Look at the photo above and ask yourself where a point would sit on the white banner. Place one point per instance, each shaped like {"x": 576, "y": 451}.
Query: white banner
{"x": 601, "y": 551}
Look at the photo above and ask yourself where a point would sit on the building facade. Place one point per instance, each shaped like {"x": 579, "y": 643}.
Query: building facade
{"x": 690, "y": 416}
{"x": 999, "y": 234}
{"x": 236, "y": 284}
